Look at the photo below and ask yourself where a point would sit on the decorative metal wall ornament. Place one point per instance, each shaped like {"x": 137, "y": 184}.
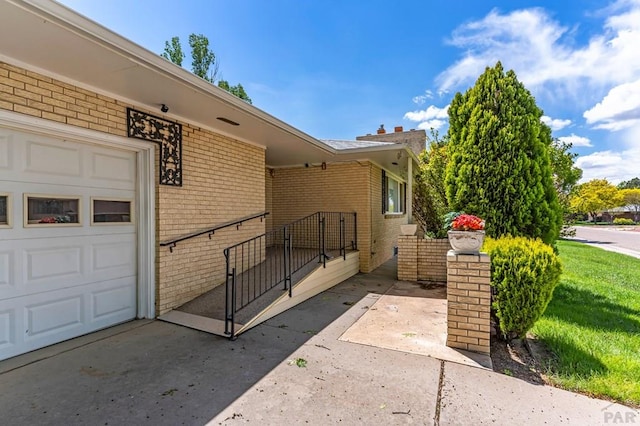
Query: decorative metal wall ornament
{"x": 167, "y": 134}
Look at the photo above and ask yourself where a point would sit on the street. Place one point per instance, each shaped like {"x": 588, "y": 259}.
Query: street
{"x": 612, "y": 239}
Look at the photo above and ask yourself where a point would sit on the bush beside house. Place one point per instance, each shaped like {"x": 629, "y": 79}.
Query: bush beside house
{"x": 524, "y": 273}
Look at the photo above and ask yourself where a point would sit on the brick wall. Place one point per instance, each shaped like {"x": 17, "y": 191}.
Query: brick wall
{"x": 408, "y": 258}
{"x": 300, "y": 191}
{"x": 347, "y": 187}
{"x": 422, "y": 259}
{"x": 469, "y": 301}
{"x": 385, "y": 228}
{"x": 432, "y": 259}
{"x": 222, "y": 179}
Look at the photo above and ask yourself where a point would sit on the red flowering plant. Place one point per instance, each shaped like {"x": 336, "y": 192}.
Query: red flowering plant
{"x": 460, "y": 221}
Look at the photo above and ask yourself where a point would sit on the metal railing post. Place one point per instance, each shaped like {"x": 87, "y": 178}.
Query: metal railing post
{"x": 230, "y": 298}
{"x": 287, "y": 258}
{"x": 319, "y": 238}
{"x": 227, "y": 294}
{"x": 290, "y": 274}
{"x": 322, "y": 243}
{"x": 343, "y": 248}
{"x": 354, "y": 242}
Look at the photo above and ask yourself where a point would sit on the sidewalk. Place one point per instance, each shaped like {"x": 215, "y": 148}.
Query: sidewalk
{"x": 291, "y": 370}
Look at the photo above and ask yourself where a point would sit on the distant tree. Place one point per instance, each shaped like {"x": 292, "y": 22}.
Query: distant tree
{"x": 595, "y": 196}
{"x": 628, "y": 184}
{"x": 631, "y": 197}
{"x": 173, "y": 51}
{"x": 203, "y": 62}
{"x": 499, "y": 159}
{"x": 237, "y": 90}
{"x": 203, "y": 58}
{"x": 565, "y": 177}
{"x": 429, "y": 195}
{"x": 565, "y": 174}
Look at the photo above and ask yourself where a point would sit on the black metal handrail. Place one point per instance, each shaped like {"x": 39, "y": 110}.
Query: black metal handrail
{"x": 238, "y": 222}
{"x": 257, "y": 265}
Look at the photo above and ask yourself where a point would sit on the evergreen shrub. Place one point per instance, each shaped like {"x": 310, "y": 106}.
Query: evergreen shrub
{"x": 524, "y": 273}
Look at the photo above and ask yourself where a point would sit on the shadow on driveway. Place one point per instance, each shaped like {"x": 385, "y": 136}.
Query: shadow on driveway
{"x": 151, "y": 372}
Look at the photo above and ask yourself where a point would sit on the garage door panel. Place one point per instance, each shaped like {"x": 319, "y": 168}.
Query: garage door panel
{"x": 112, "y": 168}
{"x": 7, "y": 329}
{"x": 53, "y": 316}
{"x": 115, "y": 257}
{"x": 117, "y": 299}
{"x": 52, "y": 159}
{"x": 53, "y": 264}
{"x": 5, "y": 151}
{"x": 6, "y": 270}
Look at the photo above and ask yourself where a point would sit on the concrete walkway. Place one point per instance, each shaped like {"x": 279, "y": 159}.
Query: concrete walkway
{"x": 290, "y": 370}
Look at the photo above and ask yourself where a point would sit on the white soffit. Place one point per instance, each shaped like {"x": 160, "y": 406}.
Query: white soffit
{"x": 44, "y": 35}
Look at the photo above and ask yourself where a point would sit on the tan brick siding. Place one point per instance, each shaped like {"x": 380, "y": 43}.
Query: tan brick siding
{"x": 347, "y": 187}
{"x": 385, "y": 228}
{"x": 408, "y": 258}
{"x": 222, "y": 179}
{"x": 432, "y": 259}
{"x": 469, "y": 302}
{"x": 301, "y": 191}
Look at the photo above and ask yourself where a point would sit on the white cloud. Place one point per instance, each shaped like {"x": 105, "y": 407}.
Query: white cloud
{"x": 576, "y": 140}
{"x": 543, "y": 52}
{"x": 431, "y": 117}
{"x": 432, "y": 124}
{"x": 428, "y": 114}
{"x": 555, "y": 123}
{"x": 421, "y": 99}
{"x": 610, "y": 165}
{"x": 618, "y": 110}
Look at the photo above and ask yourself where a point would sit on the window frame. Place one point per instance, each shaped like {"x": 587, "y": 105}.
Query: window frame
{"x": 132, "y": 211}
{"x": 9, "y": 210}
{"x": 402, "y": 196}
{"x": 25, "y": 209}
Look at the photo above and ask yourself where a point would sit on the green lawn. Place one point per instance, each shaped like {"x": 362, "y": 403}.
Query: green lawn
{"x": 592, "y": 325}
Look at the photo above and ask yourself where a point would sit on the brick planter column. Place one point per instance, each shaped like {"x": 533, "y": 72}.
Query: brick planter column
{"x": 408, "y": 258}
{"x": 468, "y": 301}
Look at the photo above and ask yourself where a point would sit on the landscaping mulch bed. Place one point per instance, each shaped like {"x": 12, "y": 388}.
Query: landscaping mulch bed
{"x": 515, "y": 359}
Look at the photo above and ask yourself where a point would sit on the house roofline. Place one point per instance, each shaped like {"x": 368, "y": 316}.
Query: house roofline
{"x": 82, "y": 26}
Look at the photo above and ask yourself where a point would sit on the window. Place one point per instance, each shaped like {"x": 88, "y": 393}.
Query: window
{"x": 51, "y": 210}
{"x": 104, "y": 211}
{"x": 5, "y": 211}
{"x": 393, "y": 194}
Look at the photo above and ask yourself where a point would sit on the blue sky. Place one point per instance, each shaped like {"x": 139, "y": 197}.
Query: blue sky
{"x": 339, "y": 69}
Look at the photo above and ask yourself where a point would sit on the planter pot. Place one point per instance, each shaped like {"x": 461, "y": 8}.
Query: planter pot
{"x": 408, "y": 229}
{"x": 466, "y": 242}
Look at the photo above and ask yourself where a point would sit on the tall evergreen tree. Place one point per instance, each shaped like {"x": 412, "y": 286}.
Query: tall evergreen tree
{"x": 499, "y": 165}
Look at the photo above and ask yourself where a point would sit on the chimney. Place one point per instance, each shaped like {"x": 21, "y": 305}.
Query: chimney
{"x": 381, "y": 130}
{"x": 397, "y": 129}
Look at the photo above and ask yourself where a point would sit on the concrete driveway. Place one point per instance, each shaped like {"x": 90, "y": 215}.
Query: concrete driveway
{"x": 291, "y": 370}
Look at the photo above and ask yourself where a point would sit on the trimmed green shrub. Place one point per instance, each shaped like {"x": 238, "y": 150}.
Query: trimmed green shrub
{"x": 524, "y": 273}
{"x": 622, "y": 221}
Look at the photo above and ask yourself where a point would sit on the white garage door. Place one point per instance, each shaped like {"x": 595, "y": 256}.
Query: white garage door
{"x": 67, "y": 240}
